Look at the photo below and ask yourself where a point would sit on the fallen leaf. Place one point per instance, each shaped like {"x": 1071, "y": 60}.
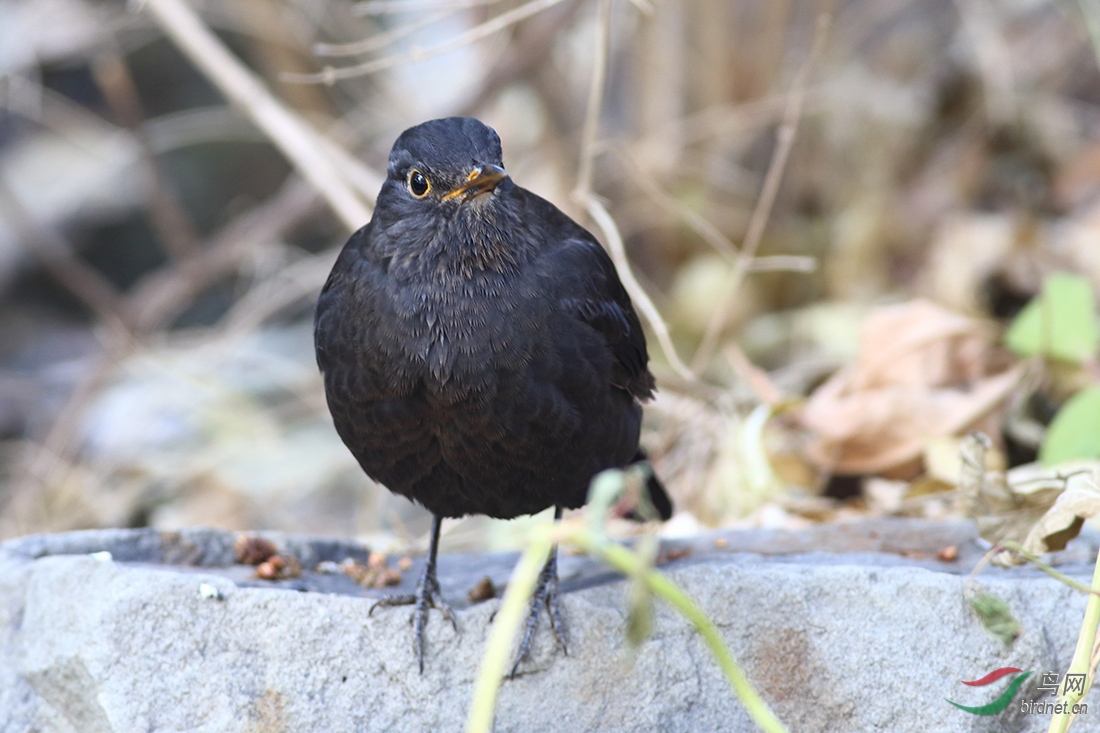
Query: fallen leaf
{"x": 1001, "y": 509}
{"x": 922, "y": 373}
{"x": 1042, "y": 507}
{"x": 1062, "y": 522}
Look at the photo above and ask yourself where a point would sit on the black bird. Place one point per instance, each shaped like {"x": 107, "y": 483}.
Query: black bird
{"x": 479, "y": 354}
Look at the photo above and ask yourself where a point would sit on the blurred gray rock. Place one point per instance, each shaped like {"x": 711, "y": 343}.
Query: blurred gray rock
{"x": 862, "y": 641}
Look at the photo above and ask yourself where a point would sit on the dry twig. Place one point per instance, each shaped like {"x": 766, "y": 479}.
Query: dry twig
{"x": 582, "y": 193}
{"x": 785, "y": 141}
{"x": 330, "y": 75}
{"x": 285, "y": 129}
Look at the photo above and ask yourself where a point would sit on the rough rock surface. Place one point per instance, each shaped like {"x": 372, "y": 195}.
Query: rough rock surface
{"x": 870, "y": 639}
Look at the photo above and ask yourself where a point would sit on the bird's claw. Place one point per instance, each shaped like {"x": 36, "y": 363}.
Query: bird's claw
{"x": 426, "y": 597}
{"x": 401, "y": 599}
{"x": 546, "y": 592}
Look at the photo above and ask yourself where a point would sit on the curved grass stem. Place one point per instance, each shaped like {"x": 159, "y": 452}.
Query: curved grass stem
{"x": 518, "y": 594}
{"x": 1082, "y": 658}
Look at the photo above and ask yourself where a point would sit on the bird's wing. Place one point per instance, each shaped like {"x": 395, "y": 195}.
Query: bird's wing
{"x": 590, "y": 290}
{"x": 330, "y": 302}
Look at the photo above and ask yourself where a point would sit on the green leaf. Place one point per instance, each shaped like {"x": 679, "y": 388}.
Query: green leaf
{"x": 1060, "y": 323}
{"x": 995, "y": 616}
{"x": 1075, "y": 430}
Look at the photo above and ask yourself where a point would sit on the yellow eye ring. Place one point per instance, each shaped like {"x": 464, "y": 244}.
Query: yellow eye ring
{"x": 418, "y": 183}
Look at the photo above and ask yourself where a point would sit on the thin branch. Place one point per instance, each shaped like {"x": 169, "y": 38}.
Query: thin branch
{"x": 361, "y": 177}
{"x": 583, "y": 189}
{"x": 582, "y": 194}
{"x": 783, "y": 263}
{"x": 693, "y": 219}
{"x": 1092, "y": 23}
{"x": 56, "y": 255}
{"x": 166, "y": 214}
{"x": 528, "y": 51}
{"x": 785, "y": 137}
{"x": 160, "y": 296}
{"x": 295, "y": 282}
{"x": 43, "y": 465}
{"x": 386, "y": 7}
{"x": 381, "y": 40}
{"x": 298, "y": 142}
{"x": 726, "y": 119}
{"x": 637, "y": 294}
{"x": 993, "y": 56}
{"x": 330, "y": 75}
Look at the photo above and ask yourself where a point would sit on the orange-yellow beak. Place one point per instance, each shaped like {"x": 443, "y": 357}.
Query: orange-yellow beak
{"x": 481, "y": 180}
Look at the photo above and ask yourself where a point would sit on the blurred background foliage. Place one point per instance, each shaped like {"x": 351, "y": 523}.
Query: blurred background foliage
{"x": 835, "y": 206}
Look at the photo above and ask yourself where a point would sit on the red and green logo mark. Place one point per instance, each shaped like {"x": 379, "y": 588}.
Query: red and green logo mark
{"x": 1003, "y": 700}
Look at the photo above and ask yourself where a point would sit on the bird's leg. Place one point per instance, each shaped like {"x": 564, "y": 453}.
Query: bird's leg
{"x": 546, "y": 591}
{"x": 426, "y": 596}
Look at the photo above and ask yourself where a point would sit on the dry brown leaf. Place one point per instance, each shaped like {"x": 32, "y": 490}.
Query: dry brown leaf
{"x": 923, "y": 372}
{"x": 1062, "y": 522}
{"x": 1002, "y": 509}
{"x": 1042, "y": 507}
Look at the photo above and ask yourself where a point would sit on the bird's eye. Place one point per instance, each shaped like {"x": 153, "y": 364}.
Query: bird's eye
{"x": 418, "y": 184}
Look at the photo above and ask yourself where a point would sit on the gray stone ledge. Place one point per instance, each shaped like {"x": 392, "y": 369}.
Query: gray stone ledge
{"x": 842, "y": 628}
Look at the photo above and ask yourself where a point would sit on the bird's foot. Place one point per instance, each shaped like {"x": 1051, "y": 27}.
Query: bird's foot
{"x": 546, "y": 592}
{"x": 427, "y": 596}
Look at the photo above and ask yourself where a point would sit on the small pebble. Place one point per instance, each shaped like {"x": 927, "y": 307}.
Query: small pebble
{"x": 673, "y": 553}
{"x": 375, "y": 574}
{"x": 279, "y": 567}
{"x": 206, "y": 590}
{"x": 948, "y": 553}
{"x": 483, "y": 591}
{"x": 252, "y": 550}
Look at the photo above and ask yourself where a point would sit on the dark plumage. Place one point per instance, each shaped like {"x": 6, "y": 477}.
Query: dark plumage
{"x": 480, "y": 355}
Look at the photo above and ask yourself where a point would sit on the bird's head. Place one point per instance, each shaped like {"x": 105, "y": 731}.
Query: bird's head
{"x": 441, "y": 167}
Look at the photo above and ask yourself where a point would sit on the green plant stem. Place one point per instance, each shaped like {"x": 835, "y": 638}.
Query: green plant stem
{"x": 518, "y": 595}
{"x": 1082, "y": 657}
{"x": 505, "y": 627}
{"x": 628, "y": 563}
{"x": 1076, "y": 585}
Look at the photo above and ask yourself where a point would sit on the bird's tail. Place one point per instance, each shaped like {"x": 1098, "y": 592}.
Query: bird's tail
{"x": 658, "y": 497}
